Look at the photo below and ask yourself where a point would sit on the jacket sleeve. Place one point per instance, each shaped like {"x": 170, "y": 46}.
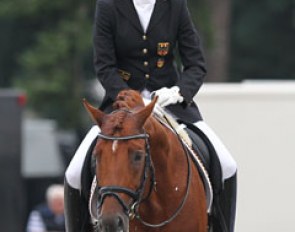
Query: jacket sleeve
{"x": 105, "y": 62}
{"x": 194, "y": 70}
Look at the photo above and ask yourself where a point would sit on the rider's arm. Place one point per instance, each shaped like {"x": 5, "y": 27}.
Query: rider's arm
{"x": 105, "y": 61}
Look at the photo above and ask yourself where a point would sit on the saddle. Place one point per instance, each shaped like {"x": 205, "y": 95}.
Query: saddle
{"x": 204, "y": 148}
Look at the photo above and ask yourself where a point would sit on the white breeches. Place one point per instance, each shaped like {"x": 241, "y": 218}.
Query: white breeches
{"x": 228, "y": 164}
{"x": 73, "y": 172}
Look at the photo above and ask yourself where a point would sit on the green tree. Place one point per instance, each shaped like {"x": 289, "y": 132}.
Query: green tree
{"x": 200, "y": 12}
{"x": 54, "y": 66}
{"x": 263, "y": 40}
{"x": 219, "y": 52}
{"x": 213, "y": 19}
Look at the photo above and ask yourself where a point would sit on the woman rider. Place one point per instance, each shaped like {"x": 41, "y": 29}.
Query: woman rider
{"x": 135, "y": 42}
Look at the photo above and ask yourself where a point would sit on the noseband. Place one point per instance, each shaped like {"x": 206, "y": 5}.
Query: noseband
{"x": 136, "y": 195}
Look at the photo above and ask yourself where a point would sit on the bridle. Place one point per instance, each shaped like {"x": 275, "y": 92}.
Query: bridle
{"x": 138, "y": 194}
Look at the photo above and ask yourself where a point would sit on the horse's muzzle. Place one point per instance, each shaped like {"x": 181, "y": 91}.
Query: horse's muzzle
{"x": 113, "y": 223}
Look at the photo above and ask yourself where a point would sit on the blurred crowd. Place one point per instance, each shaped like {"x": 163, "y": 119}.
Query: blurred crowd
{"x": 49, "y": 216}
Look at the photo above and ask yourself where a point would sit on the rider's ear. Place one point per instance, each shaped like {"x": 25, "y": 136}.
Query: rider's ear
{"x": 96, "y": 115}
{"x": 143, "y": 114}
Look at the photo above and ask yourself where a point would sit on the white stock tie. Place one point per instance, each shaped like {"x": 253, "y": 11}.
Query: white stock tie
{"x": 144, "y": 9}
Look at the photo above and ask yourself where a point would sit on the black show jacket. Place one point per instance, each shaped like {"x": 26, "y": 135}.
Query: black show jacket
{"x": 127, "y": 57}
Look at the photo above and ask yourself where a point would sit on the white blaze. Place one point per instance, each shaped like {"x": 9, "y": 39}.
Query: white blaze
{"x": 115, "y": 145}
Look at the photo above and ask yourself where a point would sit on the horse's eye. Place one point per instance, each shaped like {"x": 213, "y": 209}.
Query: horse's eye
{"x": 138, "y": 156}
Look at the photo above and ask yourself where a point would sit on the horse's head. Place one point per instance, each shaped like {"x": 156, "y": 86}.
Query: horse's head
{"x": 122, "y": 163}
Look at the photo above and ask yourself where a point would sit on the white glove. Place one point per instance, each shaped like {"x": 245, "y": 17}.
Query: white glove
{"x": 168, "y": 96}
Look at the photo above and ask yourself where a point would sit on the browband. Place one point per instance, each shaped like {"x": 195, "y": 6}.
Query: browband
{"x": 137, "y": 136}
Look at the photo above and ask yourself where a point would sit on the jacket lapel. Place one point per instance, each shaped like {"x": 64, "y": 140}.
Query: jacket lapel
{"x": 160, "y": 10}
{"x": 127, "y": 8}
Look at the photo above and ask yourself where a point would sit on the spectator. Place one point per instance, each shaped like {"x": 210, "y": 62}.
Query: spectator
{"x": 49, "y": 217}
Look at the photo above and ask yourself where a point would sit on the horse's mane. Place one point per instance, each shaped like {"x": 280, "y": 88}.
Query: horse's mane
{"x": 128, "y": 99}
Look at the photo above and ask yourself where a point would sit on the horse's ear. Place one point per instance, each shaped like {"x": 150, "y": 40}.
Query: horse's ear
{"x": 143, "y": 114}
{"x": 95, "y": 114}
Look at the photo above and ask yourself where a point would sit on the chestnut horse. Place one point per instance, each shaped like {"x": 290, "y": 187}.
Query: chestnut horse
{"x": 146, "y": 180}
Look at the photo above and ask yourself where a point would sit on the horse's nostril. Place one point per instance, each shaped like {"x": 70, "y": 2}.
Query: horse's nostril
{"x": 111, "y": 224}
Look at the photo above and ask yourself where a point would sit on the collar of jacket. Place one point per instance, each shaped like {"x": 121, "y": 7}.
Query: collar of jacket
{"x": 127, "y": 8}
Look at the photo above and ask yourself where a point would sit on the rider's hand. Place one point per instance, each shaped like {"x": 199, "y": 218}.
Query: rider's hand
{"x": 168, "y": 96}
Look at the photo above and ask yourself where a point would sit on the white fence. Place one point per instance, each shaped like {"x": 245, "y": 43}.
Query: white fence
{"x": 257, "y": 123}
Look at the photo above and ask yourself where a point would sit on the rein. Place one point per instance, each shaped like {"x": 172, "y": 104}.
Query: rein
{"x": 137, "y": 195}
{"x": 184, "y": 199}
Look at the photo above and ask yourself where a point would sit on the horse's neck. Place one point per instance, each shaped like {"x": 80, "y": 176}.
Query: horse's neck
{"x": 167, "y": 155}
